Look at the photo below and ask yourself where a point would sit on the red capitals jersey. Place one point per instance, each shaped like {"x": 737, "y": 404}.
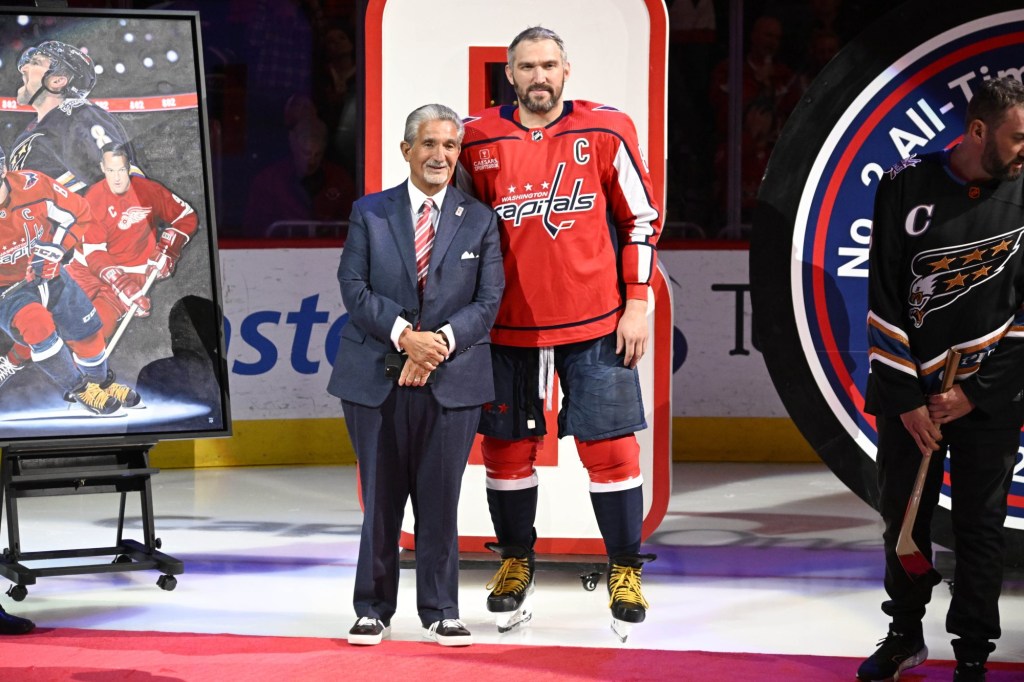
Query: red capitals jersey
{"x": 126, "y": 226}
{"x": 577, "y": 215}
{"x": 37, "y": 210}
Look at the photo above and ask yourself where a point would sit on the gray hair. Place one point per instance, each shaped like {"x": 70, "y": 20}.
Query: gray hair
{"x": 430, "y": 112}
{"x": 535, "y": 33}
{"x": 993, "y": 99}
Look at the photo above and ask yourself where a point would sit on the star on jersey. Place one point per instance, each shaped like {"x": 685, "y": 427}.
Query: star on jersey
{"x": 516, "y": 208}
{"x": 902, "y": 165}
{"x": 943, "y": 275}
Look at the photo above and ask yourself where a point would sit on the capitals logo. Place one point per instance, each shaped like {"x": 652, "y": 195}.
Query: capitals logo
{"x": 546, "y": 203}
{"x": 943, "y": 275}
{"x": 898, "y": 91}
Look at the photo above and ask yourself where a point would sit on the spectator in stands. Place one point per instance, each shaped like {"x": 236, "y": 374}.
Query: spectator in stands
{"x": 765, "y": 78}
{"x": 293, "y": 194}
{"x": 337, "y": 96}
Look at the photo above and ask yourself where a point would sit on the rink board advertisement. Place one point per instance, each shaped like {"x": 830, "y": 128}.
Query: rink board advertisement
{"x": 900, "y": 89}
{"x": 139, "y": 77}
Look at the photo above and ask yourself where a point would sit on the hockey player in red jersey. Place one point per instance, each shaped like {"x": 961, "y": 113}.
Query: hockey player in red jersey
{"x": 575, "y": 302}
{"x": 124, "y": 245}
{"x": 40, "y": 305}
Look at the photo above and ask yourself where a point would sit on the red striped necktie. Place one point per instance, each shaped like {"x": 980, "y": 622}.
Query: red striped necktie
{"x": 424, "y": 242}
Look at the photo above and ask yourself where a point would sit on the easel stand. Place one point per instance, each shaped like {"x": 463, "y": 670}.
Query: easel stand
{"x": 67, "y": 471}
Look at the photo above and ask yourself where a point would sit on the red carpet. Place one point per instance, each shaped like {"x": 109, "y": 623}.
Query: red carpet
{"x": 64, "y": 654}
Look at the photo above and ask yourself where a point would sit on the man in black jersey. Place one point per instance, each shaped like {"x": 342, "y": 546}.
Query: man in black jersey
{"x": 946, "y": 271}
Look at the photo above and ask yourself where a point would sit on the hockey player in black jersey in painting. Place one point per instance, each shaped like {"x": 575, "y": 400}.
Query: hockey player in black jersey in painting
{"x": 946, "y": 271}
{"x": 68, "y": 133}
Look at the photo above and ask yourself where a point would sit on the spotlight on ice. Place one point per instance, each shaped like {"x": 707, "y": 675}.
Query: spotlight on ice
{"x": 119, "y": 67}
{"x": 148, "y": 62}
{"x": 129, "y": 37}
{"x": 172, "y": 56}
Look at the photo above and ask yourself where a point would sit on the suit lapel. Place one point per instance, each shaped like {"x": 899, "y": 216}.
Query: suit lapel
{"x": 400, "y": 222}
{"x": 448, "y": 224}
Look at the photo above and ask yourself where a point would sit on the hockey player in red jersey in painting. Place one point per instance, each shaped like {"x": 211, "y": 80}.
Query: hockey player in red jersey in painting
{"x": 124, "y": 246}
{"x": 575, "y": 302}
{"x": 40, "y": 305}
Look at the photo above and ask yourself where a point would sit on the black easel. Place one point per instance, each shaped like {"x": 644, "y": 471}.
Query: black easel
{"x": 123, "y": 468}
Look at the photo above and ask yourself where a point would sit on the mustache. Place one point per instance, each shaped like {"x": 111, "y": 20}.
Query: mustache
{"x": 542, "y": 88}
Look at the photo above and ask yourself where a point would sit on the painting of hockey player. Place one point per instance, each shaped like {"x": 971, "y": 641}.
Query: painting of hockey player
{"x": 66, "y": 137}
{"x": 41, "y": 306}
{"x": 125, "y": 250}
{"x": 68, "y": 133}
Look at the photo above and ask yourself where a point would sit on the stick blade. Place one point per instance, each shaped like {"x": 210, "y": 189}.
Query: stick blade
{"x": 917, "y": 567}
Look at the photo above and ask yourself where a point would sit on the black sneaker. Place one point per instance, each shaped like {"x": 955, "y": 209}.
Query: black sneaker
{"x": 368, "y": 631}
{"x": 448, "y": 632}
{"x": 969, "y": 672}
{"x": 14, "y": 625}
{"x": 896, "y": 653}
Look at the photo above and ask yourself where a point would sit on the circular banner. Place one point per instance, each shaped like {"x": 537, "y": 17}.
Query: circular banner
{"x": 900, "y": 88}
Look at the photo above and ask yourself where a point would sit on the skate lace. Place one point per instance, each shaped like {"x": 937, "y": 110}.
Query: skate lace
{"x": 513, "y": 576}
{"x": 624, "y": 584}
{"x": 7, "y": 369}
{"x": 92, "y": 395}
{"x": 119, "y": 391}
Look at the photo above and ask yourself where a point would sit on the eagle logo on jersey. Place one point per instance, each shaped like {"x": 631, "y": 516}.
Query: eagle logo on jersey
{"x": 132, "y": 216}
{"x": 902, "y": 165}
{"x": 514, "y": 208}
{"x": 941, "y": 276}
{"x": 16, "y": 160}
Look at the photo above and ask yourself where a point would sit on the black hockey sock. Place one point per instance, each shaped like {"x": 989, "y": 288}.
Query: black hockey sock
{"x": 513, "y": 513}
{"x": 59, "y": 365}
{"x": 620, "y": 515}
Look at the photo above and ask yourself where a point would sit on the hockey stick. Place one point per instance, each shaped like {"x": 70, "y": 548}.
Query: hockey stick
{"x": 129, "y": 315}
{"x": 910, "y": 557}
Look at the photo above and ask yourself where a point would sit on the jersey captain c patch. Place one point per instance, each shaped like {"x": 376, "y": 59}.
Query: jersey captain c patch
{"x": 943, "y": 275}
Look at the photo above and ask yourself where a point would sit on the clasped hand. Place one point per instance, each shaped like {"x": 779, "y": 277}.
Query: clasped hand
{"x": 425, "y": 351}
{"x": 923, "y": 422}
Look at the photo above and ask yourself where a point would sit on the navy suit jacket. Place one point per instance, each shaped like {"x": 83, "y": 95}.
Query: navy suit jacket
{"x": 377, "y": 274}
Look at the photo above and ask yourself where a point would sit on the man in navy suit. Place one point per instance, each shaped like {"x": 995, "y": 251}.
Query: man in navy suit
{"x": 421, "y": 277}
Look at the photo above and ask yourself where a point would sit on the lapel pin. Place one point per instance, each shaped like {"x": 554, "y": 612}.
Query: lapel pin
{"x": 458, "y": 211}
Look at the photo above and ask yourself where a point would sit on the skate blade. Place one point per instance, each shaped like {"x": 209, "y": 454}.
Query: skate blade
{"x": 621, "y": 629}
{"x": 509, "y": 623}
{"x": 510, "y": 620}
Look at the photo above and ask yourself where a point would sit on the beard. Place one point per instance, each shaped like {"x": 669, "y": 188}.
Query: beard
{"x": 542, "y": 106}
{"x": 992, "y": 164}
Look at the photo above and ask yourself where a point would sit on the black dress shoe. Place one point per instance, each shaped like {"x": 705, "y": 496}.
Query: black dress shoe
{"x": 14, "y": 625}
{"x": 368, "y": 631}
{"x": 449, "y": 632}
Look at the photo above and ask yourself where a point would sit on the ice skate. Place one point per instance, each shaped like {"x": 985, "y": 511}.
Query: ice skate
{"x": 7, "y": 369}
{"x": 625, "y": 597}
{"x": 511, "y": 587}
{"x": 94, "y": 399}
{"x": 125, "y": 395}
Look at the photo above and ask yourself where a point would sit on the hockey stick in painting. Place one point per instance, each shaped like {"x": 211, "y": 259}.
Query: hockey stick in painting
{"x": 910, "y": 557}
{"x": 129, "y": 315}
